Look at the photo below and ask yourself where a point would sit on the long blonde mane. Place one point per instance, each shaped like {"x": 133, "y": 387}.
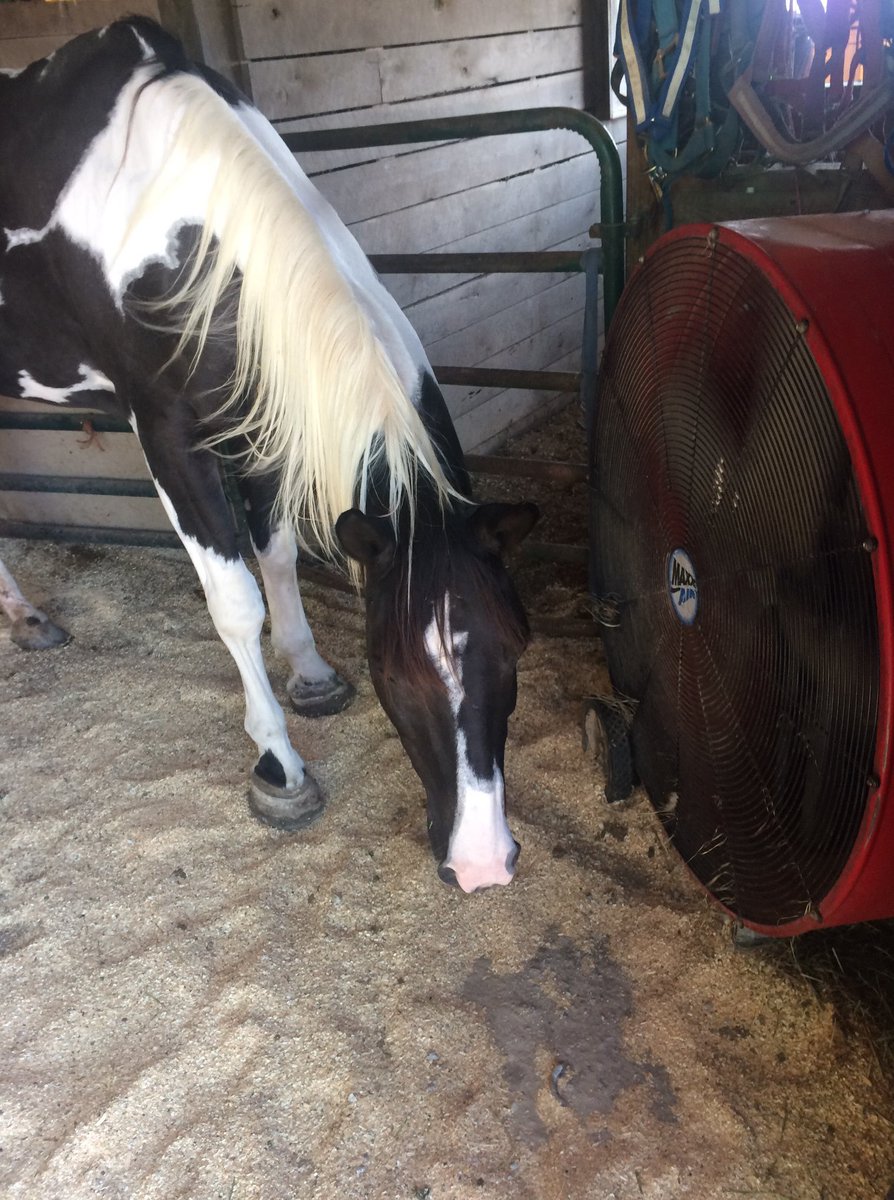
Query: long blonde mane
{"x": 314, "y": 391}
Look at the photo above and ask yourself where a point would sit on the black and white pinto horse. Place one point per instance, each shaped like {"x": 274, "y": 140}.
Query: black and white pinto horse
{"x": 162, "y": 256}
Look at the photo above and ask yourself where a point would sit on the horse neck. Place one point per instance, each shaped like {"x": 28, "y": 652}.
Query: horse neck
{"x": 439, "y": 426}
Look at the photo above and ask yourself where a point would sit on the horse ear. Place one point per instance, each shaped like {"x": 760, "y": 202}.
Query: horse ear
{"x": 500, "y": 527}
{"x": 368, "y": 540}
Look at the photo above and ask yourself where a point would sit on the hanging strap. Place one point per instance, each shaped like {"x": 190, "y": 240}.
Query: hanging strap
{"x": 669, "y": 96}
{"x": 673, "y": 159}
{"x": 628, "y": 50}
{"x": 857, "y": 118}
{"x": 653, "y": 94}
{"x": 854, "y": 120}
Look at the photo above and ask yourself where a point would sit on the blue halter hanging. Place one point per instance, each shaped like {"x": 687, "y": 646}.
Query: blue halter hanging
{"x": 654, "y": 93}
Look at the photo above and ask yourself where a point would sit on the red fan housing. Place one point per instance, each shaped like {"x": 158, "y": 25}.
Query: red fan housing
{"x": 743, "y": 530}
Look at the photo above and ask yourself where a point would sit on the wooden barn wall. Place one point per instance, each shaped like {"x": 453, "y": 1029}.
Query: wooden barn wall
{"x": 316, "y": 64}
{"x": 31, "y": 29}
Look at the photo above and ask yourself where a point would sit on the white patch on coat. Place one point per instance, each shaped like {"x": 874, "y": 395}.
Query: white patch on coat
{"x": 26, "y": 237}
{"x": 112, "y": 177}
{"x": 148, "y": 52}
{"x": 47, "y": 63}
{"x": 324, "y": 401}
{"x": 92, "y": 380}
{"x": 480, "y": 841}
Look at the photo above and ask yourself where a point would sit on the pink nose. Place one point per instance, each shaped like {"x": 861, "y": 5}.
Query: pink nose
{"x": 475, "y": 876}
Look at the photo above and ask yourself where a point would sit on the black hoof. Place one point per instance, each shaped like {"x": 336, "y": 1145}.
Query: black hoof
{"x": 36, "y": 633}
{"x": 285, "y": 809}
{"x": 321, "y": 699}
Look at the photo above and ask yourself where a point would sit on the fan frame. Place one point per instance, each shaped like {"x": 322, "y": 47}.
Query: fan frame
{"x": 831, "y": 272}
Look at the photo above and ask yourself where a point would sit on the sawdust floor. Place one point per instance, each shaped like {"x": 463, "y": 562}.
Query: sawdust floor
{"x": 196, "y": 1006}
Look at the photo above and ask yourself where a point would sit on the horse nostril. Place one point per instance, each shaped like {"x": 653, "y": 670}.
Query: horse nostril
{"x": 447, "y": 875}
{"x": 512, "y": 856}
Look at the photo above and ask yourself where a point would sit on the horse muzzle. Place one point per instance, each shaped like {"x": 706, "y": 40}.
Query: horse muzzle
{"x": 471, "y": 876}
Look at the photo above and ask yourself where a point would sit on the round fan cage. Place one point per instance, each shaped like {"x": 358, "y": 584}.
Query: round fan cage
{"x": 741, "y": 498}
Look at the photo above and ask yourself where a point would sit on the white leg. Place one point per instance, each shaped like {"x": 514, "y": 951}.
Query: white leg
{"x": 289, "y": 631}
{"x": 12, "y": 601}
{"x": 281, "y": 792}
{"x": 32, "y": 629}
{"x": 237, "y": 610}
{"x": 292, "y": 800}
{"x": 314, "y": 687}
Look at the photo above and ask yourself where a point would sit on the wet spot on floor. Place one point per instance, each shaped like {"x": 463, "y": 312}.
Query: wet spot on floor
{"x": 567, "y": 1006}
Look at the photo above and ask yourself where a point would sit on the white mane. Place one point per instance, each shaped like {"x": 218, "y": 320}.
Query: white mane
{"x": 320, "y": 397}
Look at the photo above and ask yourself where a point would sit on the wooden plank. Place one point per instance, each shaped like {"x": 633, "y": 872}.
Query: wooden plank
{"x": 13, "y": 404}
{"x": 107, "y": 512}
{"x": 402, "y": 181}
{"x": 487, "y": 428}
{"x": 288, "y": 27}
{"x": 557, "y": 341}
{"x": 462, "y": 405}
{"x": 67, "y": 18}
{"x": 477, "y": 343}
{"x": 411, "y": 72}
{"x": 308, "y": 84}
{"x": 546, "y": 229}
{"x": 44, "y": 452}
{"x": 485, "y": 417}
{"x": 296, "y": 87}
{"x": 446, "y": 221}
{"x": 557, "y": 90}
{"x": 218, "y": 37}
{"x": 16, "y": 53}
{"x": 643, "y": 208}
{"x": 462, "y": 400}
{"x": 479, "y": 299}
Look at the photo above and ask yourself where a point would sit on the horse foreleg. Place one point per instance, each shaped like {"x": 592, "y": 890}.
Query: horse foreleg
{"x": 31, "y": 629}
{"x": 190, "y": 488}
{"x": 315, "y": 689}
{"x": 282, "y": 791}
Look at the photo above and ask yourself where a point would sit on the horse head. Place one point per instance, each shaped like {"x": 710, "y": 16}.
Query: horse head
{"x": 445, "y": 629}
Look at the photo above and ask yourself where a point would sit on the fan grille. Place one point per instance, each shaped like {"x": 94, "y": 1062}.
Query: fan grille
{"x": 757, "y": 690}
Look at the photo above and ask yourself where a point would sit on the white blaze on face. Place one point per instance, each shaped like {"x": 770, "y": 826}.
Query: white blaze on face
{"x": 480, "y": 842}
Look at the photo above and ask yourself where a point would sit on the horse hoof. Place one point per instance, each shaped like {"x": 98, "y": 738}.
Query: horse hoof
{"x": 285, "y": 809}
{"x": 38, "y": 633}
{"x": 321, "y": 699}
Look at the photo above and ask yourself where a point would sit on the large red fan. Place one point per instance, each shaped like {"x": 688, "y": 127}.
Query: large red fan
{"x": 742, "y": 528}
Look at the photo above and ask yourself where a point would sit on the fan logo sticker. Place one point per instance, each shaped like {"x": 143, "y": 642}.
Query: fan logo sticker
{"x": 682, "y": 586}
